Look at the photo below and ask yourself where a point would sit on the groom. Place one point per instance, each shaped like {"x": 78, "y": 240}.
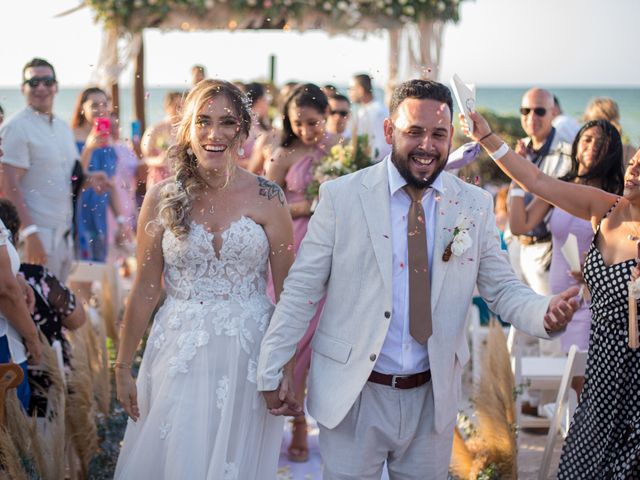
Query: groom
{"x": 398, "y": 249}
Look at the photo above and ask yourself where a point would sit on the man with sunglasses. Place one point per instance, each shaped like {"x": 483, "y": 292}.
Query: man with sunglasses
{"x": 38, "y": 164}
{"x": 339, "y": 115}
{"x": 551, "y": 155}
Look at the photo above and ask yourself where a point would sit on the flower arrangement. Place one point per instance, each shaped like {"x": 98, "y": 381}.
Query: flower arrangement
{"x": 461, "y": 240}
{"x": 342, "y": 160}
{"x": 347, "y": 13}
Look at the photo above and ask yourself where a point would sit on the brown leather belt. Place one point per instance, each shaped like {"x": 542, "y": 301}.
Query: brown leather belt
{"x": 401, "y": 381}
{"x": 527, "y": 240}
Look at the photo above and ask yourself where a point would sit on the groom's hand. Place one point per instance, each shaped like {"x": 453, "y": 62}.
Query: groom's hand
{"x": 561, "y": 309}
{"x": 283, "y": 400}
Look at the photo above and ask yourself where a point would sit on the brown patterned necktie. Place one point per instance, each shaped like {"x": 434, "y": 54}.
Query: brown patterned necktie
{"x": 419, "y": 283}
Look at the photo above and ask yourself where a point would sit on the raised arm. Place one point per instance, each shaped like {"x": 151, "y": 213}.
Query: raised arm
{"x": 144, "y": 296}
{"x": 580, "y": 201}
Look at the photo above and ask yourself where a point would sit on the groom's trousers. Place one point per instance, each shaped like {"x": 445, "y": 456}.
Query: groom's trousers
{"x": 387, "y": 425}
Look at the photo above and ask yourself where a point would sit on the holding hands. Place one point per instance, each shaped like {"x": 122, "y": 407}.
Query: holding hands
{"x": 283, "y": 401}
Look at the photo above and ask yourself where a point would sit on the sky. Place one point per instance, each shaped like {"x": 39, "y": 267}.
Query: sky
{"x": 495, "y": 43}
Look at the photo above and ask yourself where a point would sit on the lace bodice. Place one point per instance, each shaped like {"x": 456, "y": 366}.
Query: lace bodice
{"x": 195, "y": 271}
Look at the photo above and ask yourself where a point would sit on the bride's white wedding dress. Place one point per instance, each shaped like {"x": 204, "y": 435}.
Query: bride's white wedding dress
{"x": 201, "y": 416}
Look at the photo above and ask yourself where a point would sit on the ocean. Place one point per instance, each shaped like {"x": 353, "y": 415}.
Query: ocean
{"x": 502, "y": 100}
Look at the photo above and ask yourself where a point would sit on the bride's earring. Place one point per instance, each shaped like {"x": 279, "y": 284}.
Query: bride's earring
{"x": 241, "y": 151}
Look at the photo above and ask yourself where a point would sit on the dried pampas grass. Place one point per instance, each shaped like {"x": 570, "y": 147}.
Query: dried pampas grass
{"x": 493, "y": 445}
{"x": 82, "y": 436}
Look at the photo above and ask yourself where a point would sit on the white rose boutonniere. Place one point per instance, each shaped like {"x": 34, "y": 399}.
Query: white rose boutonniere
{"x": 461, "y": 240}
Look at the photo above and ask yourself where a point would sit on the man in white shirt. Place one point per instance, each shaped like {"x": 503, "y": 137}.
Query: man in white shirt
{"x": 390, "y": 346}
{"x": 370, "y": 115}
{"x": 38, "y": 165}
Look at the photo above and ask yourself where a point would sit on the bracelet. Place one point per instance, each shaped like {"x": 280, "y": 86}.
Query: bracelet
{"x": 517, "y": 192}
{"x": 500, "y": 152}
{"x": 485, "y": 137}
{"x": 121, "y": 365}
{"x": 27, "y": 231}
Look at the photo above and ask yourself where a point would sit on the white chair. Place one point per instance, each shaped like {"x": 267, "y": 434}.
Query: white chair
{"x": 535, "y": 373}
{"x": 566, "y": 403}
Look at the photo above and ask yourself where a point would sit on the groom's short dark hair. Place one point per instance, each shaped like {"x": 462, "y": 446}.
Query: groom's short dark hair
{"x": 422, "y": 90}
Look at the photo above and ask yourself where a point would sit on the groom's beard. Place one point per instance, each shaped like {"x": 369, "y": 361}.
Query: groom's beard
{"x": 402, "y": 164}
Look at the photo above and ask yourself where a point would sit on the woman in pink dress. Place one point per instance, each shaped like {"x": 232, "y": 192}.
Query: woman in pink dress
{"x": 305, "y": 142}
{"x": 596, "y": 161}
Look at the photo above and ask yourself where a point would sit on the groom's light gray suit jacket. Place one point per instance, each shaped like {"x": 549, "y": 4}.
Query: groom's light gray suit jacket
{"x": 347, "y": 255}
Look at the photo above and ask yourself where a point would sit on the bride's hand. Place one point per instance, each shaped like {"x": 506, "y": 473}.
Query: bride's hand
{"x": 127, "y": 394}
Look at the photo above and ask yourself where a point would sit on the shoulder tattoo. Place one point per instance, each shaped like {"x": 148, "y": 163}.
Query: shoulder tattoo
{"x": 270, "y": 190}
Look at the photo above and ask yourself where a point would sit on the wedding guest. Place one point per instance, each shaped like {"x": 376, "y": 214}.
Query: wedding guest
{"x": 607, "y": 109}
{"x": 390, "y": 347}
{"x": 210, "y": 232}
{"x": 305, "y": 141}
{"x": 1, "y": 115}
{"x": 159, "y": 137}
{"x": 596, "y": 160}
{"x": 600, "y": 441}
{"x": 96, "y": 146}
{"x": 126, "y": 182}
{"x": 339, "y": 116}
{"x": 369, "y": 116}
{"x": 543, "y": 148}
{"x": 39, "y": 164}
{"x": 259, "y": 100}
{"x": 55, "y": 308}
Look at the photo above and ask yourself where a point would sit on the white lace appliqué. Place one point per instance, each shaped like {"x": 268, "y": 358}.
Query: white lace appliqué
{"x": 230, "y": 471}
{"x": 222, "y": 392}
{"x": 221, "y": 294}
{"x": 165, "y": 428}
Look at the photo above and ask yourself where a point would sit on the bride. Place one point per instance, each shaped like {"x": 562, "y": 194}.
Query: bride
{"x": 195, "y": 411}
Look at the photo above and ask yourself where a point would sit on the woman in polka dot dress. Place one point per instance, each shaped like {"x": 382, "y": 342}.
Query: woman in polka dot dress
{"x": 604, "y": 437}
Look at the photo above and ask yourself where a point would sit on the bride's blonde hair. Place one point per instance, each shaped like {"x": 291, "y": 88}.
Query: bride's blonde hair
{"x": 176, "y": 197}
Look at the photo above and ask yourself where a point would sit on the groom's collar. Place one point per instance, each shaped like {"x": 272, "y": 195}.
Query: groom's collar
{"x": 397, "y": 181}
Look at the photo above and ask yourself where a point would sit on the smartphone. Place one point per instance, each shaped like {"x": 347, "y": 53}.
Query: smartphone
{"x": 103, "y": 126}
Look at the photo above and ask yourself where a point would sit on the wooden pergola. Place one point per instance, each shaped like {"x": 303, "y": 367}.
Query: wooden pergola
{"x": 415, "y": 29}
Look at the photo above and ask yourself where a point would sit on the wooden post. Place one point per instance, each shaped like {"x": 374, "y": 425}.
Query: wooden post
{"x": 272, "y": 69}
{"x": 138, "y": 88}
{"x": 115, "y": 99}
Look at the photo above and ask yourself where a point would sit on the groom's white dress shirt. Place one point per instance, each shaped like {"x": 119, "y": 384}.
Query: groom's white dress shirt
{"x": 400, "y": 353}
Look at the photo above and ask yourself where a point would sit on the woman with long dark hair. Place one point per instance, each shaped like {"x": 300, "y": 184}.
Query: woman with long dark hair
{"x": 305, "y": 142}
{"x": 603, "y": 440}
{"x": 91, "y": 126}
{"x": 596, "y": 160}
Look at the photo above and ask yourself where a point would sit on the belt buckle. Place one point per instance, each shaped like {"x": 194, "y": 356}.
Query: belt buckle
{"x": 394, "y": 378}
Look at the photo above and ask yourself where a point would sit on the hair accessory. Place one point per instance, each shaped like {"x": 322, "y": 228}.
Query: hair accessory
{"x": 189, "y": 151}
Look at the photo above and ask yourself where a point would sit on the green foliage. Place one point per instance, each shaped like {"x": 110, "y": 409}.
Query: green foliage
{"x": 484, "y": 169}
{"x": 342, "y": 13}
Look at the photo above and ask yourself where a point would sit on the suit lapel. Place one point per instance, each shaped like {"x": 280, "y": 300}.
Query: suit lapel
{"x": 374, "y": 196}
{"x": 446, "y": 215}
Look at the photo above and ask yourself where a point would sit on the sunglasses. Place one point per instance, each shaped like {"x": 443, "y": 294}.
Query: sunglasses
{"x": 35, "y": 81}
{"x": 539, "y": 111}
{"x": 342, "y": 113}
